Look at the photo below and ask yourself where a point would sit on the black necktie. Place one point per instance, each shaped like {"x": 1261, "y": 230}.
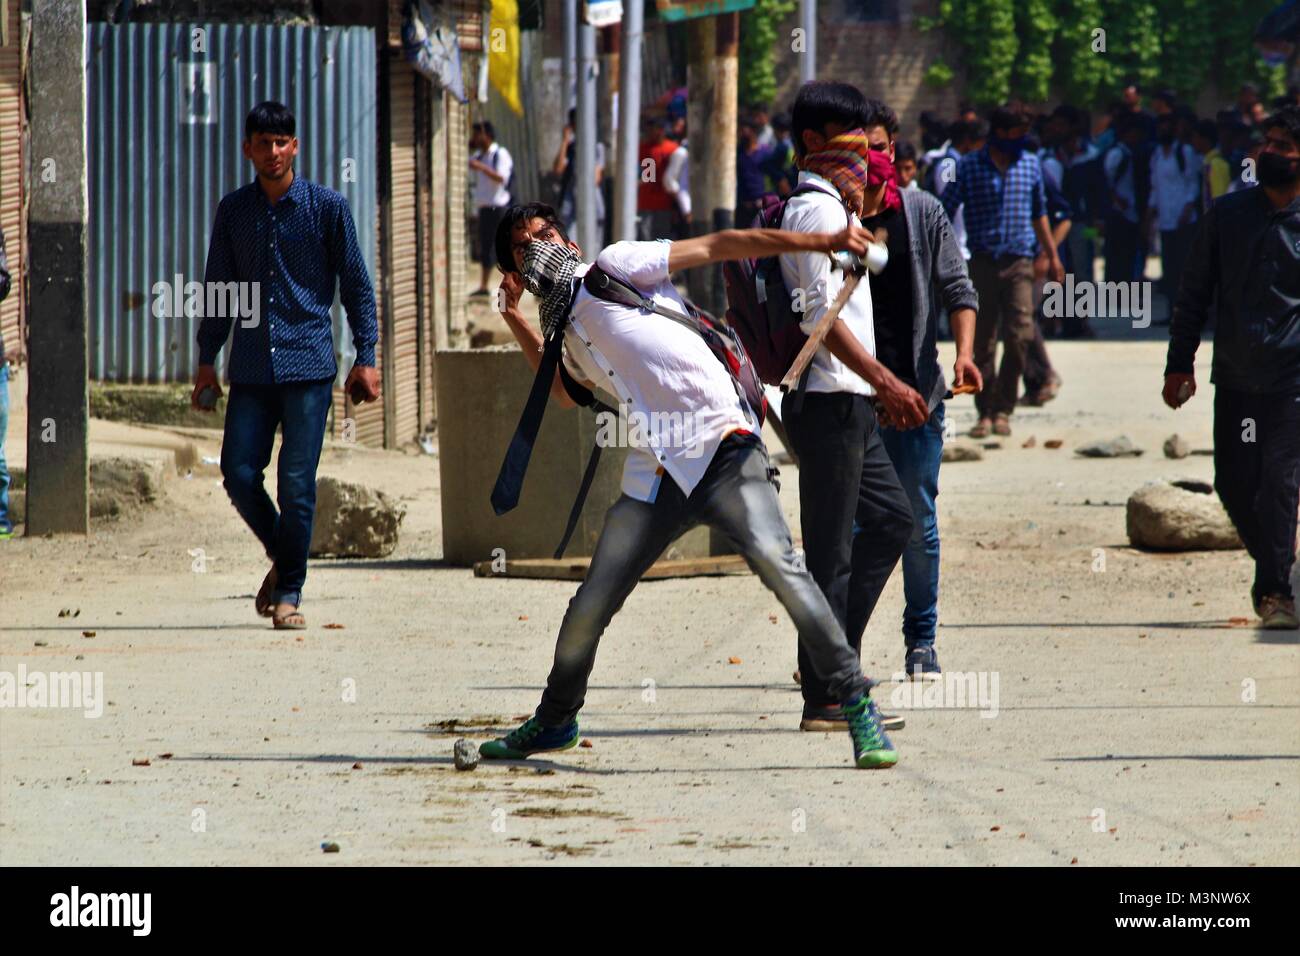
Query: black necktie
{"x": 510, "y": 480}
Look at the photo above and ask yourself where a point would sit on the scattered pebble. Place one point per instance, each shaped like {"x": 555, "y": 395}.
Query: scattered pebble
{"x": 333, "y": 627}
{"x": 1029, "y": 442}
{"x": 329, "y": 847}
{"x": 87, "y": 633}
{"x": 465, "y": 754}
{"x": 1118, "y": 447}
{"x": 141, "y": 762}
{"x": 733, "y": 660}
{"x": 1053, "y": 443}
{"x": 357, "y": 765}
{"x": 585, "y": 743}
{"x": 523, "y": 617}
{"x": 42, "y": 643}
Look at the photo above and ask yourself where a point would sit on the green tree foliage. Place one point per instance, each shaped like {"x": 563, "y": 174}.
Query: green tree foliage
{"x": 1036, "y": 26}
{"x": 1082, "y": 73}
{"x": 1186, "y": 45}
{"x": 986, "y": 33}
{"x": 1236, "y": 60}
{"x": 758, "y": 43}
{"x": 1132, "y": 42}
{"x": 1034, "y": 48}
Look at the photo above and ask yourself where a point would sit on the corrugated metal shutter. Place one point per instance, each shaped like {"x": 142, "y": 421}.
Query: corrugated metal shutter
{"x": 146, "y": 136}
{"x": 425, "y": 98}
{"x": 11, "y": 178}
{"x": 403, "y": 370}
{"x": 368, "y": 419}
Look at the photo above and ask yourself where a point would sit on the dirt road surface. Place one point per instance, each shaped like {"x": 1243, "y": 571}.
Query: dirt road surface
{"x": 1128, "y": 719}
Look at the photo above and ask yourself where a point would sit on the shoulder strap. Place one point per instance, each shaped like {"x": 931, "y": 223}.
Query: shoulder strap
{"x": 803, "y": 189}
{"x": 605, "y": 286}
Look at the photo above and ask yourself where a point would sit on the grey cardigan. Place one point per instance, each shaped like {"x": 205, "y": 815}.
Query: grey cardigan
{"x": 939, "y": 278}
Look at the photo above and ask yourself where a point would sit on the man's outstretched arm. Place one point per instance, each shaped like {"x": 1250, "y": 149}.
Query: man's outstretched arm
{"x": 759, "y": 243}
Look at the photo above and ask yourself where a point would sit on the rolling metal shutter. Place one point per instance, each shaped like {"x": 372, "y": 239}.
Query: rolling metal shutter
{"x": 11, "y": 175}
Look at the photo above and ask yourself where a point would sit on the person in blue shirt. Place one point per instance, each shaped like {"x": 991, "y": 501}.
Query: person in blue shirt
{"x": 1000, "y": 190}
{"x": 280, "y": 246}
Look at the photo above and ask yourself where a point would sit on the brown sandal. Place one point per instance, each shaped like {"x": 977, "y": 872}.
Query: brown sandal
{"x": 293, "y": 621}
{"x": 263, "y": 602}
{"x": 981, "y": 429}
{"x": 1002, "y": 425}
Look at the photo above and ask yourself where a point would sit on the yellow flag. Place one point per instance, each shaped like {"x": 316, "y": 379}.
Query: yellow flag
{"x": 503, "y": 52}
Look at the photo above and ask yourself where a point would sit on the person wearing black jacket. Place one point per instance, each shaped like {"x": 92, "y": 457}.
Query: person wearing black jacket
{"x": 1246, "y": 259}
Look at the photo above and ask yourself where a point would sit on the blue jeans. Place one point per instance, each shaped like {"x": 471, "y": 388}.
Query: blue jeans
{"x": 916, "y": 454}
{"x": 5, "y": 523}
{"x": 253, "y": 412}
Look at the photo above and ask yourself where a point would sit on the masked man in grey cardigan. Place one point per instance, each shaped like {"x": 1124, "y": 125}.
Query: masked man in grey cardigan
{"x": 926, "y": 272}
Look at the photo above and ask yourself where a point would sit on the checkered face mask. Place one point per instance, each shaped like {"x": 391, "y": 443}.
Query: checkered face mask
{"x": 548, "y": 274}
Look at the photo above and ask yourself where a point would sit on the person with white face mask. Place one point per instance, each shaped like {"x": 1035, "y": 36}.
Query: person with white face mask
{"x": 663, "y": 372}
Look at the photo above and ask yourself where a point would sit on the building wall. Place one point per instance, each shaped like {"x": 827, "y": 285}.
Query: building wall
{"x": 12, "y": 131}
{"x": 885, "y": 58}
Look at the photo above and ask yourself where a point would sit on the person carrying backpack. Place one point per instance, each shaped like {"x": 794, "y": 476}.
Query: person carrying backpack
{"x": 847, "y": 483}
{"x": 701, "y": 459}
{"x": 1121, "y": 222}
{"x": 494, "y": 180}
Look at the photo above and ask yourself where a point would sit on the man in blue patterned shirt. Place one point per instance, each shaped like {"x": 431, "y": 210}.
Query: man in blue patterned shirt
{"x": 279, "y": 247}
{"x": 1000, "y": 191}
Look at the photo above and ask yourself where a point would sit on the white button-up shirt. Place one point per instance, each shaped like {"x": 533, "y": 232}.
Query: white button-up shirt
{"x": 812, "y": 272}
{"x": 1171, "y": 188}
{"x": 678, "y": 399}
{"x": 487, "y": 191}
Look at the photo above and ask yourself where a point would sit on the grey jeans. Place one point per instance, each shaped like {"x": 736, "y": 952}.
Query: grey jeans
{"x": 735, "y": 497}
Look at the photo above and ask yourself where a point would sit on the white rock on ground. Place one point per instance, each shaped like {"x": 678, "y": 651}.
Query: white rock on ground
{"x": 1173, "y": 517}
{"x": 120, "y": 484}
{"x": 354, "y": 521}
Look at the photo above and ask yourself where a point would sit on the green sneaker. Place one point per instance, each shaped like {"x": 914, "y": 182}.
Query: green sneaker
{"x": 872, "y": 749}
{"x": 529, "y": 738}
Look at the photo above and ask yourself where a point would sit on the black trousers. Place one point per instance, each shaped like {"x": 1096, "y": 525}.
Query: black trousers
{"x": 1257, "y": 476}
{"x": 1122, "y": 241}
{"x": 855, "y": 516}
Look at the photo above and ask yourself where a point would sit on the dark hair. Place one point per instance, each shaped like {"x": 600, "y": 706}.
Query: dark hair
{"x": 1208, "y": 130}
{"x": 1070, "y": 115}
{"x": 1167, "y": 97}
{"x": 963, "y": 131}
{"x": 824, "y": 101}
{"x": 1287, "y": 120}
{"x": 878, "y": 114}
{"x": 269, "y": 117}
{"x": 512, "y": 217}
{"x": 904, "y": 150}
{"x": 781, "y": 121}
{"x": 1004, "y": 118}
{"x": 1127, "y": 123}
{"x": 485, "y": 126}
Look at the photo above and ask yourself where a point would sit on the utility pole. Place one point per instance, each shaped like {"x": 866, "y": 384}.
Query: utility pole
{"x": 712, "y": 74}
{"x": 629, "y": 122}
{"x": 584, "y": 174}
{"x": 58, "y": 419}
{"x": 569, "y": 66}
{"x": 808, "y": 21}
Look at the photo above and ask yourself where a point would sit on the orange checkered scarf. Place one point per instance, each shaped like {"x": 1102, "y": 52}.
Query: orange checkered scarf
{"x": 851, "y": 167}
